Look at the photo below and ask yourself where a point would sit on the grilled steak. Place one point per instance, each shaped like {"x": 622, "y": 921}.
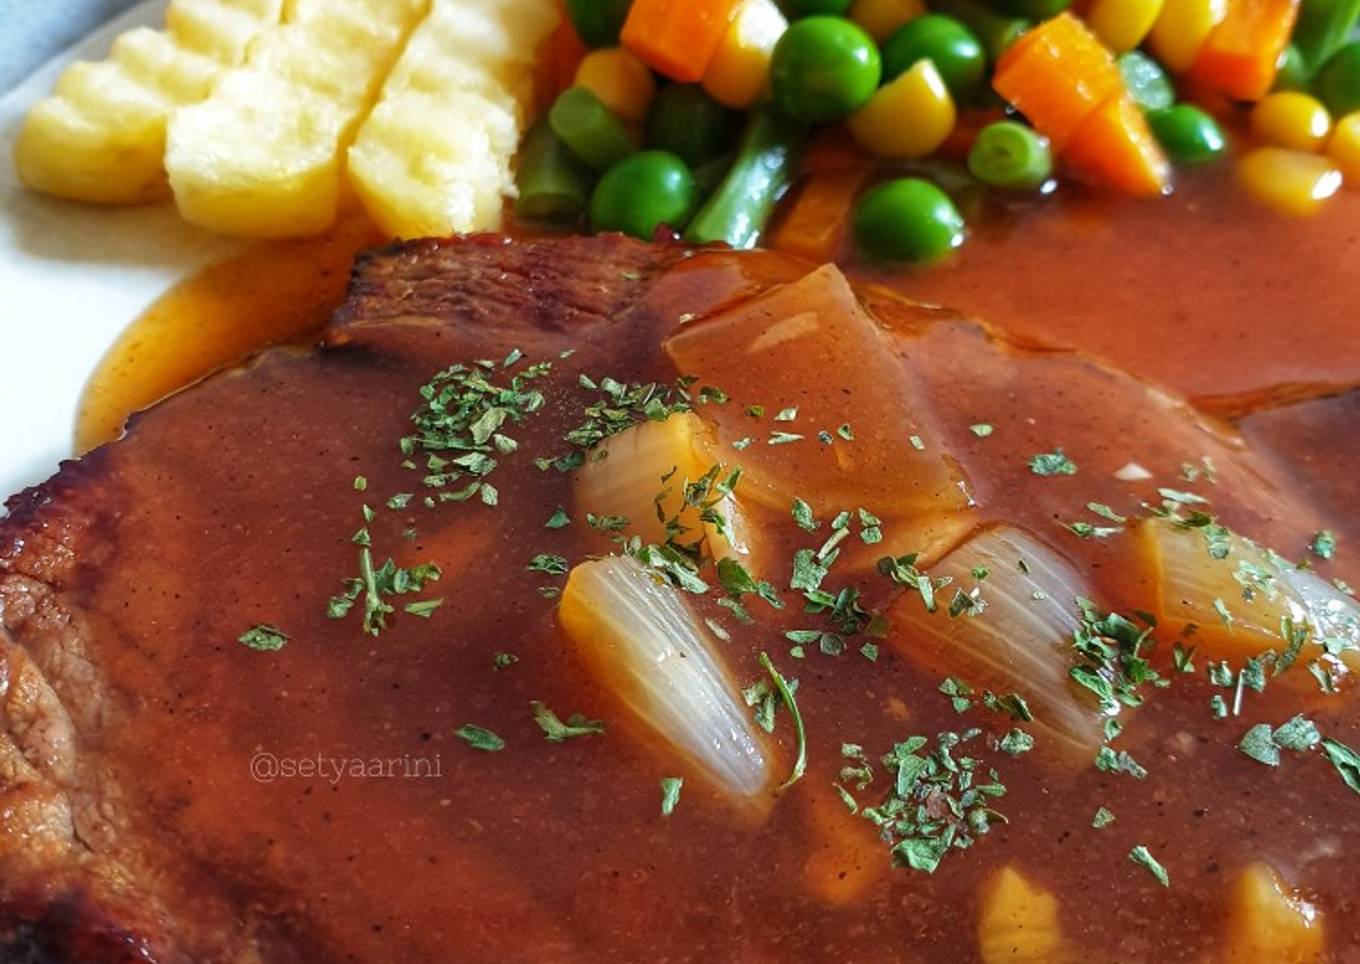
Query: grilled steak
{"x": 168, "y": 794}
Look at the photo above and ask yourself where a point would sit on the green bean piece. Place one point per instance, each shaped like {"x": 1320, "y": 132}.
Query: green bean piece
{"x": 1291, "y": 73}
{"x": 1338, "y": 82}
{"x": 996, "y": 31}
{"x": 1189, "y": 135}
{"x": 1010, "y": 155}
{"x": 589, "y": 129}
{"x": 688, "y": 122}
{"x": 908, "y": 219}
{"x": 1322, "y": 28}
{"x": 553, "y": 184}
{"x": 711, "y": 174}
{"x": 598, "y": 22}
{"x": 1147, "y": 82}
{"x": 765, "y": 166}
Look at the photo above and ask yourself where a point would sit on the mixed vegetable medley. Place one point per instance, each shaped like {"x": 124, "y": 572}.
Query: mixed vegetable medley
{"x": 646, "y": 127}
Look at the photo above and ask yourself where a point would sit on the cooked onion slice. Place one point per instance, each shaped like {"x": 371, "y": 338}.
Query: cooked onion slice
{"x": 625, "y": 476}
{"x": 767, "y": 351}
{"x": 1269, "y": 923}
{"x": 1015, "y": 636}
{"x": 644, "y": 645}
{"x": 1230, "y": 597}
{"x": 1019, "y": 923}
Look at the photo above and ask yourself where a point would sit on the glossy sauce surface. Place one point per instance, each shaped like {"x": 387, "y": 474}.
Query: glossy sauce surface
{"x": 561, "y": 849}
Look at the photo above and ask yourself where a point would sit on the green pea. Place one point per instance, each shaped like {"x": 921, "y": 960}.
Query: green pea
{"x": 996, "y": 31}
{"x": 598, "y": 22}
{"x": 1034, "y": 9}
{"x": 823, "y": 68}
{"x": 907, "y": 220}
{"x": 1147, "y": 81}
{"x": 686, "y": 121}
{"x": 1338, "y": 82}
{"x": 642, "y": 192}
{"x": 1189, "y": 135}
{"x": 1291, "y": 71}
{"x": 1008, "y": 154}
{"x": 956, "y": 52}
{"x": 797, "y": 9}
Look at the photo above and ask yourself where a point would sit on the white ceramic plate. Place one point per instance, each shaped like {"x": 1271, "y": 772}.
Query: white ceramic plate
{"x": 71, "y": 278}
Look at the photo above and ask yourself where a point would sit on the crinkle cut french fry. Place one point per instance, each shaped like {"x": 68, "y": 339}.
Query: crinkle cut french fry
{"x": 435, "y": 155}
{"x": 101, "y": 135}
{"x": 262, "y": 156}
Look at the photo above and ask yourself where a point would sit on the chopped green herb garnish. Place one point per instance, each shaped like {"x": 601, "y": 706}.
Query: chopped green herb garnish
{"x": 784, "y": 438}
{"x": 360, "y": 483}
{"x": 479, "y": 738}
{"x": 844, "y": 432}
{"x": 557, "y": 731}
{"x": 1141, "y": 856}
{"x": 917, "y": 443}
{"x": 787, "y": 414}
{"x": 263, "y": 638}
{"x": 1016, "y": 742}
{"x": 937, "y": 801}
{"x": 424, "y": 608}
{"x": 1108, "y": 761}
{"x": 786, "y": 695}
{"x": 1345, "y": 760}
{"x": 670, "y": 794}
{"x": 981, "y": 429}
{"x": 1258, "y": 744}
{"x": 1323, "y": 545}
{"x": 558, "y": 519}
{"x": 502, "y": 660}
{"x": 1105, "y": 512}
{"x": 802, "y": 515}
{"x": 1052, "y": 463}
{"x": 553, "y": 565}
{"x": 1102, "y": 819}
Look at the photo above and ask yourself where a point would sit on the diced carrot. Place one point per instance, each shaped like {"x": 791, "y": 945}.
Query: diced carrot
{"x": 816, "y": 222}
{"x": 559, "y": 56}
{"x": 1115, "y": 147}
{"x": 831, "y": 149}
{"x": 677, "y": 39}
{"x": 1057, "y": 75}
{"x": 1239, "y": 59}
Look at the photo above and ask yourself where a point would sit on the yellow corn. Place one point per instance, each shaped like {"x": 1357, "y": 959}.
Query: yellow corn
{"x": 909, "y": 117}
{"x": 1122, "y": 24}
{"x": 620, "y": 80}
{"x": 1290, "y": 181}
{"x": 881, "y": 18}
{"x": 1344, "y": 149}
{"x": 740, "y": 69}
{"x": 1292, "y": 119}
{"x": 1181, "y": 28}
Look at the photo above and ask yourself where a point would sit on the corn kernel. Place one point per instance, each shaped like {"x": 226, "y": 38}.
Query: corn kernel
{"x": 740, "y": 69}
{"x": 1344, "y": 149}
{"x": 620, "y": 80}
{"x": 1181, "y": 28}
{"x": 1289, "y": 181}
{"x": 1122, "y": 24}
{"x": 1293, "y": 120}
{"x": 881, "y": 18}
{"x": 908, "y": 117}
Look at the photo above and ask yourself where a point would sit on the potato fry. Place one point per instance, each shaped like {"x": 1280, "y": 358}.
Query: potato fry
{"x": 101, "y": 135}
{"x": 263, "y": 155}
{"x": 434, "y": 156}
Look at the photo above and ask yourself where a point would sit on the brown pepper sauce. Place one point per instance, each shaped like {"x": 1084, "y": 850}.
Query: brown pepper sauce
{"x": 559, "y": 852}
